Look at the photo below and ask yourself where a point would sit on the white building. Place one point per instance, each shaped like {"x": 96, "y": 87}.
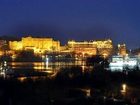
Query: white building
{"x": 119, "y": 63}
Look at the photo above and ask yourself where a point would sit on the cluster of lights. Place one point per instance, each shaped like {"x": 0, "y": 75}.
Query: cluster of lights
{"x": 119, "y": 63}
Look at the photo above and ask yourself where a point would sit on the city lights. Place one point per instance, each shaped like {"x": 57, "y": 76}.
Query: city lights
{"x": 69, "y": 52}
{"x": 120, "y": 62}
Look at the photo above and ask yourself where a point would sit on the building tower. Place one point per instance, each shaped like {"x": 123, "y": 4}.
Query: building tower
{"x": 122, "y": 49}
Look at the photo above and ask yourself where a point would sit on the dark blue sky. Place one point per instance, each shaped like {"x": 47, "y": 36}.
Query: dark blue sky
{"x": 73, "y": 19}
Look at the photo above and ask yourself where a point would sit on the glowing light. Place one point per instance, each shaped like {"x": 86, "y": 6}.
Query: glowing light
{"x": 48, "y": 71}
{"x": 22, "y": 79}
{"x": 13, "y": 56}
{"x": 124, "y": 86}
{"x": 47, "y": 62}
{"x": 88, "y": 93}
{"x": 105, "y": 55}
{"x": 5, "y": 63}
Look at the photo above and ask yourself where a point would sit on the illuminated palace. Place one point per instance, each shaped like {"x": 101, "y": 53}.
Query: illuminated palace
{"x": 104, "y": 47}
{"x": 38, "y": 45}
{"x": 81, "y": 49}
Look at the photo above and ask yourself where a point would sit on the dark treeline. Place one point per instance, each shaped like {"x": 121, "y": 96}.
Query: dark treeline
{"x": 65, "y": 87}
{"x": 69, "y": 86}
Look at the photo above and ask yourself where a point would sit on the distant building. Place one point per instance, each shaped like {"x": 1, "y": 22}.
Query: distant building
{"x": 15, "y": 45}
{"x": 3, "y": 45}
{"x": 120, "y": 63}
{"x": 92, "y": 47}
{"x": 82, "y": 47}
{"x": 38, "y": 45}
{"x": 122, "y": 49}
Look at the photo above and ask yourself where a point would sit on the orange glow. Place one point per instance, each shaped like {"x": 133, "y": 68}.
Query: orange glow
{"x": 122, "y": 49}
{"x": 22, "y": 79}
{"x": 82, "y": 49}
{"x": 91, "y": 47}
{"x": 1, "y": 53}
{"x": 15, "y": 45}
{"x": 38, "y": 45}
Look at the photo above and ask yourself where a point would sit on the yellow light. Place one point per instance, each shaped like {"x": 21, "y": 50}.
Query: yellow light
{"x": 105, "y": 55}
{"x": 48, "y": 71}
{"x": 124, "y": 88}
{"x": 22, "y": 79}
{"x": 14, "y": 56}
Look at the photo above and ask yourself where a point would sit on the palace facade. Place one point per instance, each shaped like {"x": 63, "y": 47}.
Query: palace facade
{"x": 82, "y": 49}
{"x": 38, "y": 45}
{"x": 103, "y": 47}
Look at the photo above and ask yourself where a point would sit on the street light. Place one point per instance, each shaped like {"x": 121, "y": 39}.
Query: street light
{"x": 123, "y": 91}
{"x": 124, "y": 87}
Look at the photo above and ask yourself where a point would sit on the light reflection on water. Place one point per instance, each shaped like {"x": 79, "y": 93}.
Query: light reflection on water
{"x": 41, "y": 66}
{"x": 34, "y": 78}
{"x": 46, "y": 67}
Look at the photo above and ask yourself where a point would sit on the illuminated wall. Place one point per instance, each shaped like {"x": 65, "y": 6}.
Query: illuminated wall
{"x": 104, "y": 44}
{"x": 40, "y": 45}
{"x": 37, "y": 44}
{"x": 15, "y": 45}
{"x": 92, "y": 47}
{"x": 122, "y": 49}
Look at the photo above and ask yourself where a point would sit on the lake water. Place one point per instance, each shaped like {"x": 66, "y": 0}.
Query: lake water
{"x": 50, "y": 68}
{"x": 39, "y": 66}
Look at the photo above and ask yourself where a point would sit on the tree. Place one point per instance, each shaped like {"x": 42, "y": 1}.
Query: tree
{"x": 97, "y": 60}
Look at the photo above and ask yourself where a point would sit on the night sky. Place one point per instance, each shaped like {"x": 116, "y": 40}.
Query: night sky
{"x": 73, "y": 19}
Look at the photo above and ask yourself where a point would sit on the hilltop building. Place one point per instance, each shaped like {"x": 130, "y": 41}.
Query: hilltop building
{"x": 80, "y": 49}
{"x": 104, "y": 47}
{"x": 38, "y": 45}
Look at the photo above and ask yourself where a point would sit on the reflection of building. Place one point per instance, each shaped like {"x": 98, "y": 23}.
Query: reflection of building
{"x": 92, "y": 47}
{"x": 122, "y": 49}
{"x": 36, "y": 44}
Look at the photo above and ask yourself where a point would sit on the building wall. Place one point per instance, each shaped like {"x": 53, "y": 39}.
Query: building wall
{"x": 36, "y": 44}
{"x": 15, "y": 45}
{"x": 122, "y": 49}
{"x": 104, "y": 47}
{"x": 48, "y": 44}
{"x": 104, "y": 44}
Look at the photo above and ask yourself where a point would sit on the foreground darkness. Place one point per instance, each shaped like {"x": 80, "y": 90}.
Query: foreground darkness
{"x": 68, "y": 88}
